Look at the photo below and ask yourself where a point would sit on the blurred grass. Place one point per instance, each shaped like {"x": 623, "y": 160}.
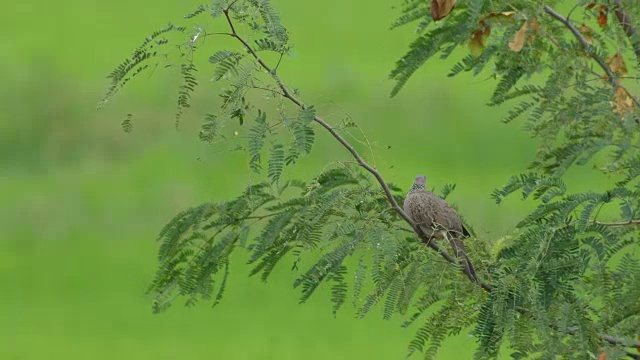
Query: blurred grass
{"x": 85, "y": 200}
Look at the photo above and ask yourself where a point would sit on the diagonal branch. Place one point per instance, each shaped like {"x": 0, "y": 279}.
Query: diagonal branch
{"x": 394, "y": 204}
{"x": 627, "y": 26}
{"x": 589, "y": 50}
{"x": 611, "y": 340}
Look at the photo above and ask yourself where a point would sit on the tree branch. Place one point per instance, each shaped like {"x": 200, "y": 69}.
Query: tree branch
{"x": 394, "y": 204}
{"x": 627, "y": 26}
{"x": 589, "y": 50}
{"x": 619, "y": 223}
{"x": 613, "y": 341}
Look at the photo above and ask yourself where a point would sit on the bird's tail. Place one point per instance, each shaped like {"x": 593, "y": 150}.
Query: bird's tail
{"x": 459, "y": 251}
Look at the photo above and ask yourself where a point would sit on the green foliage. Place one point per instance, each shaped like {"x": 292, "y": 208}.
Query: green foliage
{"x": 184, "y": 91}
{"x": 571, "y": 112}
{"x": 139, "y": 60}
{"x": 276, "y": 162}
{"x": 211, "y": 129}
{"x": 227, "y": 62}
{"x": 316, "y": 220}
{"x": 196, "y": 244}
{"x": 550, "y": 266}
{"x": 257, "y": 134}
{"x": 562, "y": 250}
{"x": 127, "y": 124}
{"x": 565, "y": 276}
{"x": 271, "y": 25}
{"x": 302, "y": 131}
{"x": 199, "y": 10}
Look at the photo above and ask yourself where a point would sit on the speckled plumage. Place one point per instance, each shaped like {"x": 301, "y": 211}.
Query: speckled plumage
{"x": 436, "y": 218}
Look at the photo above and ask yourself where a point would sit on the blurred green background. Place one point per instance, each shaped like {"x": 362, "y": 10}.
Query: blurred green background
{"x": 83, "y": 201}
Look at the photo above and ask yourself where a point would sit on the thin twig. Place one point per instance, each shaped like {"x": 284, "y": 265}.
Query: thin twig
{"x": 619, "y": 223}
{"x": 260, "y": 217}
{"x": 627, "y": 26}
{"x": 589, "y": 50}
{"x": 611, "y": 340}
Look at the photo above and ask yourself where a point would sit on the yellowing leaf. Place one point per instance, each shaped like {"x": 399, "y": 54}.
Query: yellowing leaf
{"x": 622, "y": 102}
{"x": 530, "y": 27}
{"x": 441, "y": 8}
{"x": 617, "y": 64}
{"x": 586, "y": 32}
{"x": 478, "y": 38}
{"x": 518, "y": 39}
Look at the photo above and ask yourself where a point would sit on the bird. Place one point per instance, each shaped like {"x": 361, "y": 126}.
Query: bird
{"x": 437, "y": 219}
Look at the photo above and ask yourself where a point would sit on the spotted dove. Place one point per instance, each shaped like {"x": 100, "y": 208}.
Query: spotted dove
{"x": 437, "y": 219}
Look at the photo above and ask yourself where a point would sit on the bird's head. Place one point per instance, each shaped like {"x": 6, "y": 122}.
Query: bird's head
{"x": 419, "y": 183}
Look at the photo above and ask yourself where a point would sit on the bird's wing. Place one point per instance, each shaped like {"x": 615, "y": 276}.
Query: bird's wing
{"x": 420, "y": 210}
{"x": 446, "y": 217}
{"x": 429, "y": 211}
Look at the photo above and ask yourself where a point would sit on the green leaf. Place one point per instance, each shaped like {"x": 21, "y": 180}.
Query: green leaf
{"x": 257, "y": 135}
{"x": 276, "y": 163}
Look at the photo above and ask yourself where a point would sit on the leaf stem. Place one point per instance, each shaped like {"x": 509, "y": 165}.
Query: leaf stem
{"x": 619, "y": 223}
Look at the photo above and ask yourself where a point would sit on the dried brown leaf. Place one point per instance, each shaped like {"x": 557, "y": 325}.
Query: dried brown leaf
{"x": 478, "y": 38}
{"x": 622, "y": 102}
{"x": 529, "y": 28}
{"x": 617, "y": 64}
{"x": 517, "y": 43}
{"x": 586, "y": 32}
{"x": 441, "y": 8}
{"x": 518, "y": 40}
